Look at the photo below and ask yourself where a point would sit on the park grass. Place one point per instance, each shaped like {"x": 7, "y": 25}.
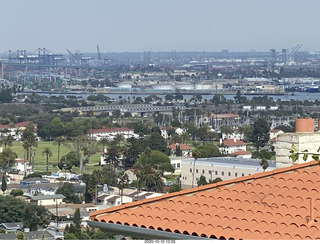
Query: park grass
{"x": 40, "y": 158}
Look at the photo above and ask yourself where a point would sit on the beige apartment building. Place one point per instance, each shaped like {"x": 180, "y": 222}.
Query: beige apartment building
{"x": 225, "y": 168}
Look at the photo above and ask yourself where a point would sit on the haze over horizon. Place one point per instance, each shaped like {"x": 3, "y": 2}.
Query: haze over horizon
{"x": 166, "y": 25}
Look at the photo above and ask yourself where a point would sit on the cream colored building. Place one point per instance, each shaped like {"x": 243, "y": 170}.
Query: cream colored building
{"x": 45, "y": 200}
{"x": 304, "y": 138}
{"x": 226, "y": 168}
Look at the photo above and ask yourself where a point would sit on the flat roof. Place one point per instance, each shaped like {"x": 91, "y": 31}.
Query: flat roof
{"x": 231, "y": 162}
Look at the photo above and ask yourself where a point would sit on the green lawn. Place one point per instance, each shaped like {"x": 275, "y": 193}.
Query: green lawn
{"x": 40, "y": 158}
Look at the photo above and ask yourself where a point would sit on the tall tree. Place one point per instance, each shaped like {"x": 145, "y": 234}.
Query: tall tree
{"x": 226, "y": 129}
{"x": 47, "y": 152}
{"x": 4, "y": 184}
{"x": 29, "y": 139}
{"x": 123, "y": 181}
{"x": 97, "y": 177}
{"x": 7, "y": 159}
{"x": 260, "y": 135}
{"x": 156, "y": 142}
{"x": 58, "y": 141}
{"x": 7, "y": 141}
{"x": 84, "y": 147}
{"x": 149, "y": 169}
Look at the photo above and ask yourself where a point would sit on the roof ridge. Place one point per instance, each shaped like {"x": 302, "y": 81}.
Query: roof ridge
{"x": 206, "y": 187}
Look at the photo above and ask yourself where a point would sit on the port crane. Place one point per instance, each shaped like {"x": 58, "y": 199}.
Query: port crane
{"x": 293, "y": 51}
{"x": 99, "y": 54}
{"x": 71, "y": 54}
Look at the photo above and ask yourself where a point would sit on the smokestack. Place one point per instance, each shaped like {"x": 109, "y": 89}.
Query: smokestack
{"x": 304, "y": 125}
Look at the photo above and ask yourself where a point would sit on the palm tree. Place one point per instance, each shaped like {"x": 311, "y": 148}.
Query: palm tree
{"x": 264, "y": 163}
{"x": 195, "y": 155}
{"x": 185, "y": 137}
{"x": 57, "y": 142}
{"x": 104, "y": 142}
{"x": 29, "y": 139}
{"x": 97, "y": 176}
{"x": 123, "y": 182}
{"x": 149, "y": 178}
{"x": 48, "y": 153}
{"x": 7, "y": 141}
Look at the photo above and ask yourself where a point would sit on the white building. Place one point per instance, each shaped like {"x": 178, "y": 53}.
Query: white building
{"x": 45, "y": 200}
{"x": 226, "y": 168}
{"x": 22, "y": 166}
{"x": 304, "y": 138}
{"x": 235, "y": 135}
{"x": 274, "y": 133}
{"x": 111, "y": 133}
{"x": 232, "y": 145}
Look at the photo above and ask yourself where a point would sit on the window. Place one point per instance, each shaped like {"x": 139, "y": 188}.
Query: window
{"x": 197, "y": 171}
{"x": 178, "y": 165}
{"x": 236, "y": 174}
{"x": 222, "y": 173}
{"x": 216, "y": 172}
{"x": 229, "y": 173}
{"x": 210, "y": 172}
{"x": 203, "y": 171}
{"x": 190, "y": 170}
{"x": 242, "y": 174}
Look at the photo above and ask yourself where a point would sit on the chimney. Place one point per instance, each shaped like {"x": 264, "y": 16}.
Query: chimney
{"x": 234, "y": 140}
{"x": 304, "y": 125}
{"x": 318, "y": 124}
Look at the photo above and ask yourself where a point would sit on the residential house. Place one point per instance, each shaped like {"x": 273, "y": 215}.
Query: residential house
{"x": 235, "y": 135}
{"x": 274, "y": 133}
{"x": 47, "y": 199}
{"x": 32, "y": 181}
{"x": 48, "y": 234}
{"x": 11, "y": 227}
{"x": 16, "y": 130}
{"x": 185, "y": 149}
{"x": 22, "y": 166}
{"x": 232, "y": 145}
{"x": 274, "y": 205}
{"x": 41, "y": 189}
{"x": 165, "y": 131}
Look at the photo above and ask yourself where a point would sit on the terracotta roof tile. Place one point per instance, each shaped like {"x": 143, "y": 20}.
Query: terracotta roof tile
{"x": 182, "y": 146}
{"x": 278, "y": 204}
{"x": 232, "y": 142}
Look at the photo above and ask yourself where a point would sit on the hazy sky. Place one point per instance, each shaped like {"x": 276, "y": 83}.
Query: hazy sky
{"x": 159, "y": 25}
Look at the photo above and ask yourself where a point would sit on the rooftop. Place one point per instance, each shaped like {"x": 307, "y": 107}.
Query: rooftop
{"x": 182, "y": 146}
{"x": 279, "y": 204}
{"x": 248, "y": 163}
{"x": 233, "y": 142}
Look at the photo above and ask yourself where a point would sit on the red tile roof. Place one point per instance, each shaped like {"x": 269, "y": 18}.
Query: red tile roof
{"x": 274, "y": 139}
{"x": 241, "y": 152}
{"x": 231, "y": 142}
{"x": 109, "y": 130}
{"x": 274, "y": 131}
{"x": 17, "y": 125}
{"x": 279, "y": 204}
{"x": 182, "y": 146}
